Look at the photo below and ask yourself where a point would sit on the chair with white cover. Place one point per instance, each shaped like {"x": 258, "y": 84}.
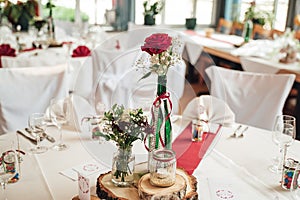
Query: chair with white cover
{"x": 117, "y": 80}
{"x": 255, "y": 98}
{"x": 27, "y": 90}
{"x": 249, "y": 64}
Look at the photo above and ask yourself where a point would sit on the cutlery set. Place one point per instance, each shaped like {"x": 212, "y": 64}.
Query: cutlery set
{"x": 32, "y": 140}
{"x": 236, "y": 133}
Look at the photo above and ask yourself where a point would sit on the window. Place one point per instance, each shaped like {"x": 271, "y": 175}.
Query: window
{"x": 95, "y": 9}
{"x": 278, "y": 7}
{"x": 175, "y": 15}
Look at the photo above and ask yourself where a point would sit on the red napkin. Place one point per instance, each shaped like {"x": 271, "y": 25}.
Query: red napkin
{"x": 6, "y": 50}
{"x": 81, "y": 51}
{"x": 28, "y": 49}
{"x": 188, "y": 153}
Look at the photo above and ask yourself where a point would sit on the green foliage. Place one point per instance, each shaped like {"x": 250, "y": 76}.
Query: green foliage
{"x": 64, "y": 14}
{"x": 14, "y": 12}
{"x": 152, "y": 9}
{"x": 261, "y": 17}
{"x": 124, "y": 126}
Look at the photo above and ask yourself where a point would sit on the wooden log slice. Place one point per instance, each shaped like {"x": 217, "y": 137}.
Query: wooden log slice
{"x": 107, "y": 190}
{"x": 191, "y": 189}
{"x": 92, "y": 198}
{"x": 147, "y": 191}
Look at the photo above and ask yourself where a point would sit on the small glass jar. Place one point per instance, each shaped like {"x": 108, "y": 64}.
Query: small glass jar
{"x": 290, "y": 175}
{"x": 198, "y": 128}
{"x": 162, "y": 168}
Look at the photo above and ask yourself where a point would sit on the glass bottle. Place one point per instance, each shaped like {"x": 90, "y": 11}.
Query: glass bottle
{"x": 247, "y": 32}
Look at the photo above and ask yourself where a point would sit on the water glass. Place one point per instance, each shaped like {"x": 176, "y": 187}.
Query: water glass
{"x": 198, "y": 129}
{"x": 59, "y": 112}
{"x": 37, "y": 124}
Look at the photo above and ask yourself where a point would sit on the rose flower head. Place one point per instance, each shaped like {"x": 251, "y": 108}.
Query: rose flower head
{"x": 157, "y": 43}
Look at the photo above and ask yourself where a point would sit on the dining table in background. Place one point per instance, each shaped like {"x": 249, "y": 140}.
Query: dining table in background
{"x": 239, "y": 165}
{"x": 228, "y": 48}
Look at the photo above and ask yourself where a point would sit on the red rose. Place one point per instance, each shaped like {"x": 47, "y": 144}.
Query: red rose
{"x": 157, "y": 43}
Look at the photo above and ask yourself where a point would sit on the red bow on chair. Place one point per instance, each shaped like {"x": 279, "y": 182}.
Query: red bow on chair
{"x": 81, "y": 51}
{"x": 6, "y": 50}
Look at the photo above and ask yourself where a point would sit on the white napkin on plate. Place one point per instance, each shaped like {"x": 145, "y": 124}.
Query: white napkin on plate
{"x": 209, "y": 108}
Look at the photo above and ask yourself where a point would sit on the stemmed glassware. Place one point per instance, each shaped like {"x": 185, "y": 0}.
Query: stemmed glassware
{"x": 37, "y": 124}
{"x": 283, "y": 135}
{"x": 9, "y": 164}
{"x": 59, "y": 110}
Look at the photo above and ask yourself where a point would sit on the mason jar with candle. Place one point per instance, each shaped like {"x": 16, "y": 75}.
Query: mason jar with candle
{"x": 162, "y": 168}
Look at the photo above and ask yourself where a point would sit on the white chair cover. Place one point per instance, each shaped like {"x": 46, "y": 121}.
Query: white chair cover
{"x": 209, "y": 108}
{"x": 118, "y": 80}
{"x": 81, "y": 82}
{"x": 250, "y": 65}
{"x": 255, "y": 98}
{"x": 27, "y": 90}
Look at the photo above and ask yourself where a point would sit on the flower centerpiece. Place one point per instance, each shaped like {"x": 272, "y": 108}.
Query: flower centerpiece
{"x": 150, "y": 10}
{"x": 123, "y": 127}
{"x": 258, "y": 16}
{"x": 21, "y": 12}
{"x": 163, "y": 52}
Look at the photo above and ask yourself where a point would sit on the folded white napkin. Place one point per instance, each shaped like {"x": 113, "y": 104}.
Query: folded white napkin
{"x": 209, "y": 108}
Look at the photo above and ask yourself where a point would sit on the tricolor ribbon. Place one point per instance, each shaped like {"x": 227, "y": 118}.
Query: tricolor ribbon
{"x": 156, "y": 104}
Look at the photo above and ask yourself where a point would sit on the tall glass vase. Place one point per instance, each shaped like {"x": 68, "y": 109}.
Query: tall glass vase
{"x": 162, "y": 122}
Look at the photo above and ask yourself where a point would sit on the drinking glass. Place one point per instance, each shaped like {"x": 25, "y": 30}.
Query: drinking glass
{"x": 295, "y": 191}
{"x": 8, "y": 167}
{"x": 283, "y": 135}
{"x": 59, "y": 111}
{"x": 37, "y": 124}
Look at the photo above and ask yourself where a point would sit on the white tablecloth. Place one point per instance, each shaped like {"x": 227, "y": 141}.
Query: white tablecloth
{"x": 241, "y": 163}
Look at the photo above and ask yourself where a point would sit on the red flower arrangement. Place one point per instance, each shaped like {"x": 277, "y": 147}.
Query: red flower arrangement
{"x": 157, "y": 43}
{"x": 163, "y": 51}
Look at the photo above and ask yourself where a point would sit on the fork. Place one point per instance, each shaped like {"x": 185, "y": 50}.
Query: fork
{"x": 236, "y": 130}
{"x": 243, "y": 131}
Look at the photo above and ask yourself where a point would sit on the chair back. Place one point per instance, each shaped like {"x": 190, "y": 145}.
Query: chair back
{"x": 259, "y": 32}
{"x": 237, "y": 28}
{"x": 117, "y": 80}
{"x": 224, "y": 26}
{"x": 255, "y": 98}
{"x": 27, "y": 90}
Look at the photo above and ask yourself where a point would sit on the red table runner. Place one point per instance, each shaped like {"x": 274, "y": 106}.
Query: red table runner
{"x": 189, "y": 153}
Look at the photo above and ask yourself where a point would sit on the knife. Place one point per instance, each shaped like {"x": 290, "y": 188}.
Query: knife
{"x": 48, "y": 137}
{"x": 33, "y": 141}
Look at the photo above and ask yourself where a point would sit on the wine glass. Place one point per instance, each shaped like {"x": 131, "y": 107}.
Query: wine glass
{"x": 59, "y": 111}
{"x": 8, "y": 167}
{"x": 283, "y": 135}
{"x": 37, "y": 124}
